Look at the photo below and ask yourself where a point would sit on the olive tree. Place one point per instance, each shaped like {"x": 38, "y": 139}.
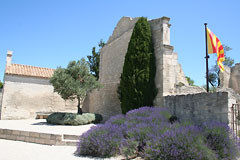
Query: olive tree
{"x": 74, "y": 82}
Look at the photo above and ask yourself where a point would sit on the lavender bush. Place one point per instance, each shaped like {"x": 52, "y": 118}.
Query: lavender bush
{"x": 147, "y": 132}
{"x": 218, "y": 139}
{"x": 101, "y": 141}
{"x": 179, "y": 143}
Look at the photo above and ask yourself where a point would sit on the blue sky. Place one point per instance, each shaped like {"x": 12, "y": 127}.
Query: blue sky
{"x": 50, "y": 33}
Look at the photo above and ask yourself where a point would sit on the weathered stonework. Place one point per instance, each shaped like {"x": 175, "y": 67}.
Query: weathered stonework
{"x": 24, "y": 96}
{"x": 225, "y": 77}
{"x": 0, "y": 99}
{"x": 105, "y": 101}
{"x": 234, "y": 81}
{"x": 200, "y": 107}
{"x": 183, "y": 90}
{"x": 168, "y": 72}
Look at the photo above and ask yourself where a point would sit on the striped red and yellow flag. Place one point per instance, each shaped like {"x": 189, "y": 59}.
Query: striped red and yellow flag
{"x": 215, "y": 46}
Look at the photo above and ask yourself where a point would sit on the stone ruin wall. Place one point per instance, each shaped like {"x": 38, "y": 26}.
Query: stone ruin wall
{"x": 25, "y": 96}
{"x": 230, "y": 78}
{"x": 0, "y": 98}
{"x": 168, "y": 72}
{"x": 234, "y": 81}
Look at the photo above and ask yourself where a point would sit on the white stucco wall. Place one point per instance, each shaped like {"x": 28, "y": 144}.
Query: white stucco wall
{"x": 24, "y": 96}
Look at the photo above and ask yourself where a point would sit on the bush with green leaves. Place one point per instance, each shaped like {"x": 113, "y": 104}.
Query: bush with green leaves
{"x": 61, "y": 118}
{"x": 74, "y": 82}
{"x": 1, "y": 85}
{"x": 137, "y": 82}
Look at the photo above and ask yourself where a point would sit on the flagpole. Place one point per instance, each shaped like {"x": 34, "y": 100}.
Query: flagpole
{"x": 206, "y": 57}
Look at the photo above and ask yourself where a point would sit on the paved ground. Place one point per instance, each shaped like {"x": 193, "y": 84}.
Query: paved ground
{"x": 43, "y": 127}
{"x": 16, "y": 150}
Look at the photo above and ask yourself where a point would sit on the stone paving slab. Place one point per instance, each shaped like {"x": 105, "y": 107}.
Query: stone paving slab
{"x": 42, "y": 126}
{"x": 38, "y": 131}
{"x": 16, "y": 150}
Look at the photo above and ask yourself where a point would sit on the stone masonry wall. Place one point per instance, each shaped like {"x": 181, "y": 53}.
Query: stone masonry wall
{"x": 200, "y": 107}
{"x": 234, "y": 81}
{"x": 0, "y": 99}
{"x": 105, "y": 101}
{"x": 168, "y": 72}
{"x": 24, "y": 96}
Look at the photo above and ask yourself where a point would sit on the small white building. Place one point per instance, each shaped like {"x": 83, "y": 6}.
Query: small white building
{"x": 27, "y": 91}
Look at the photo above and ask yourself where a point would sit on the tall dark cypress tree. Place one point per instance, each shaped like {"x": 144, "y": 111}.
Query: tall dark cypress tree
{"x": 137, "y": 84}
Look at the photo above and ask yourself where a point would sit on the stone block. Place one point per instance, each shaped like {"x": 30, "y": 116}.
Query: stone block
{"x": 16, "y": 132}
{"x": 49, "y": 142}
{"x": 32, "y": 140}
{"x": 60, "y": 143}
{"x": 20, "y": 138}
{"x": 24, "y": 133}
{"x": 7, "y": 131}
{"x": 34, "y": 134}
{"x": 26, "y": 139}
{"x": 3, "y": 136}
{"x": 52, "y": 142}
{"x": 11, "y": 137}
{"x": 59, "y": 137}
{"x": 45, "y": 135}
{"x": 53, "y": 137}
{"x": 39, "y": 141}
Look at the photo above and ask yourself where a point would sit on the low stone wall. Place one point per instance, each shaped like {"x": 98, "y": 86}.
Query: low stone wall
{"x": 39, "y": 138}
{"x": 200, "y": 107}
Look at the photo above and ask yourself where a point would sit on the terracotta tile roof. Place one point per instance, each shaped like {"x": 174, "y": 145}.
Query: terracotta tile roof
{"x": 31, "y": 71}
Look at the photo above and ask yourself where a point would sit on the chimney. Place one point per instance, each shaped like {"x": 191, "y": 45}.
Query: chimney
{"x": 9, "y": 58}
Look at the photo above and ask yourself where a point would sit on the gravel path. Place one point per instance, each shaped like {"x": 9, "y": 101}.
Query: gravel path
{"x": 16, "y": 150}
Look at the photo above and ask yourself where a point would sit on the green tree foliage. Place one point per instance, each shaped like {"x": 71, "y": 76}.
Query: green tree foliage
{"x": 94, "y": 59}
{"x": 137, "y": 85}
{"x": 213, "y": 75}
{"x": 190, "y": 81}
{"x": 1, "y": 84}
{"x": 74, "y": 82}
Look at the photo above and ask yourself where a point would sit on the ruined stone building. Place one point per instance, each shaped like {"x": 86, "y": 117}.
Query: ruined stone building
{"x": 174, "y": 92}
{"x": 27, "y": 91}
{"x": 170, "y": 79}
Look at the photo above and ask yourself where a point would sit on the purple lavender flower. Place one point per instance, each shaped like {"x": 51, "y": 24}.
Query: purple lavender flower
{"x": 146, "y": 132}
{"x": 101, "y": 141}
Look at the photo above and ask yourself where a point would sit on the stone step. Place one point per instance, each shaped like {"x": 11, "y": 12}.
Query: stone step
{"x": 70, "y": 137}
{"x": 70, "y": 142}
{"x": 39, "y": 138}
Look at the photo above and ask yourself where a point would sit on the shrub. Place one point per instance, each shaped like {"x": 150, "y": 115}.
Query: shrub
{"x": 1, "y": 85}
{"x": 61, "y": 118}
{"x": 149, "y": 115}
{"x": 218, "y": 139}
{"x": 180, "y": 143}
{"x": 117, "y": 120}
{"x": 148, "y": 133}
{"x": 101, "y": 141}
{"x": 139, "y": 124}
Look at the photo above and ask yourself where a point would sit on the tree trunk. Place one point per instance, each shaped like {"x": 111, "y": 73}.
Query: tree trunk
{"x": 79, "y": 108}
